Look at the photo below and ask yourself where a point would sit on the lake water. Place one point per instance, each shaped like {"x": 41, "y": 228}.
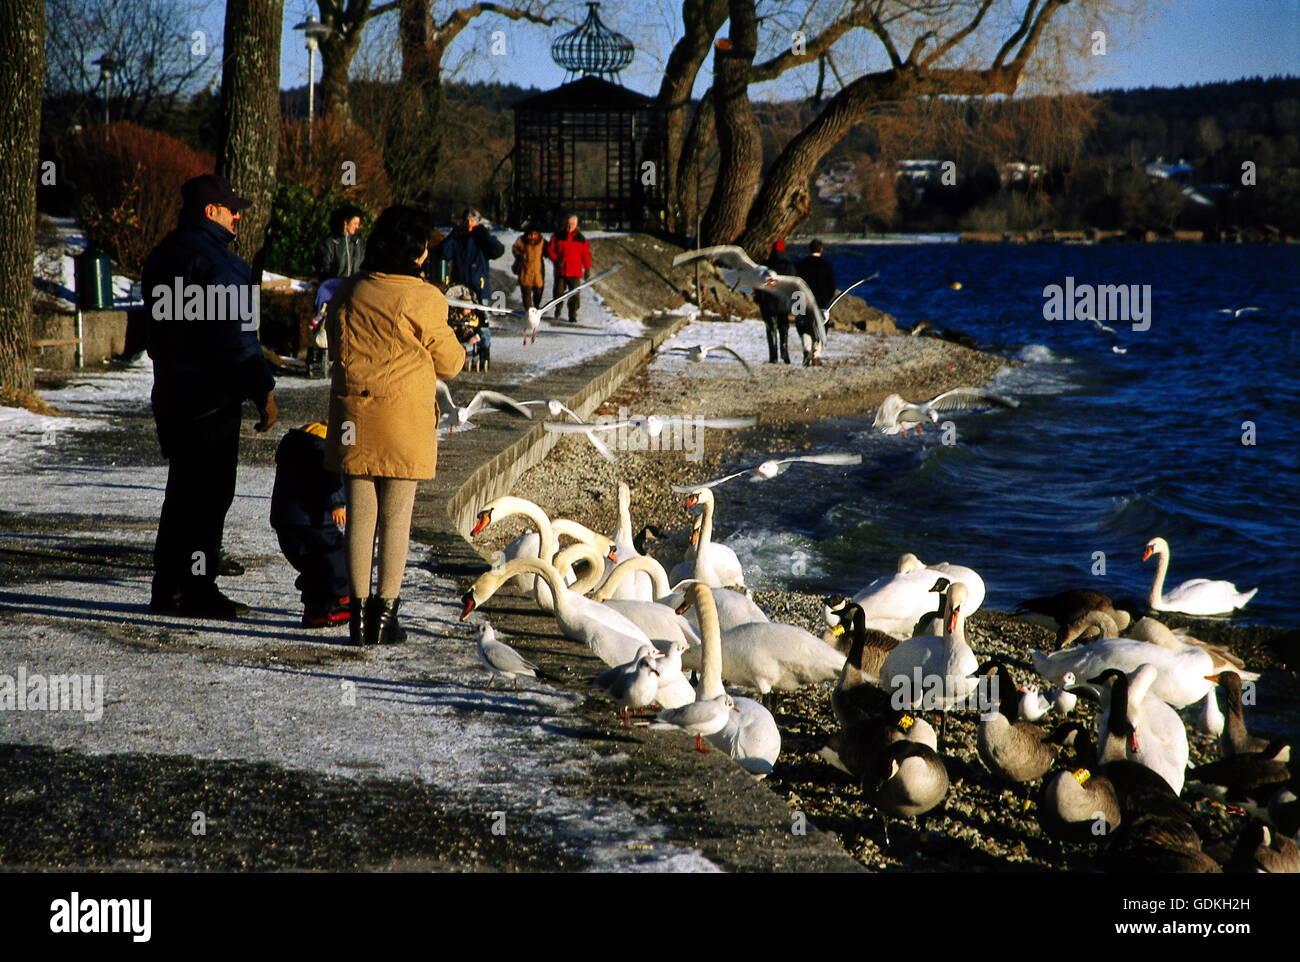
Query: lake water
{"x": 1105, "y": 451}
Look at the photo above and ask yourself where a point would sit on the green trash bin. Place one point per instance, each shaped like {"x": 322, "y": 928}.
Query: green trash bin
{"x": 94, "y": 273}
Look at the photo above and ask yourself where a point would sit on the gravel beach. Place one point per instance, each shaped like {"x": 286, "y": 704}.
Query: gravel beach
{"x": 983, "y": 824}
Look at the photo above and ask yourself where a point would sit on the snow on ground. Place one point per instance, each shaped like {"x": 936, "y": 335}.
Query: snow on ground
{"x": 419, "y": 709}
{"x": 748, "y": 339}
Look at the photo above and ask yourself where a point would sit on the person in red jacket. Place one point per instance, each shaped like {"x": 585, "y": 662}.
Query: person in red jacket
{"x": 572, "y": 256}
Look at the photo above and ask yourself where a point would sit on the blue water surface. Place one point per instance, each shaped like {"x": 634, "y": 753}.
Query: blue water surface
{"x": 1105, "y": 451}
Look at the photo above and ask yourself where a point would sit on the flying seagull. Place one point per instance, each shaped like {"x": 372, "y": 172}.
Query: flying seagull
{"x": 895, "y": 415}
{"x": 557, "y": 407}
{"x": 533, "y": 316}
{"x": 827, "y": 313}
{"x": 1237, "y": 312}
{"x": 699, "y": 352}
{"x": 738, "y": 269}
{"x": 483, "y": 402}
{"x": 650, "y": 427}
{"x": 770, "y": 469}
{"x": 503, "y": 661}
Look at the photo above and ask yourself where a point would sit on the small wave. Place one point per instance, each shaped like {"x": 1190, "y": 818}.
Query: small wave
{"x": 774, "y": 559}
{"x": 1040, "y": 354}
{"x": 1032, "y": 379}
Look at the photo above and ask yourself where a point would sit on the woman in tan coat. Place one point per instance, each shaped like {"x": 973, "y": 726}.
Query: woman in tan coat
{"x": 389, "y": 343}
{"x": 530, "y": 267}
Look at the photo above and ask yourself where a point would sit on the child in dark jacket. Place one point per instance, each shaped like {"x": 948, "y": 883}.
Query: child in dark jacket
{"x": 307, "y": 510}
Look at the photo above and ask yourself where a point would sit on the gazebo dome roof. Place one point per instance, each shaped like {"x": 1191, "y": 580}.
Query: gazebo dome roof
{"x": 592, "y": 48}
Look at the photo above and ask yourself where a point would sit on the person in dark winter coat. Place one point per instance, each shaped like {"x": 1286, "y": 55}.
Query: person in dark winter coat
{"x": 341, "y": 254}
{"x": 468, "y": 251}
{"x": 776, "y": 308}
{"x": 307, "y": 511}
{"x": 819, "y": 275}
{"x": 202, "y": 307}
{"x": 572, "y": 256}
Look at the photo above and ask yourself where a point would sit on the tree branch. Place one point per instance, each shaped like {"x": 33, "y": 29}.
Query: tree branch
{"x": 459, "y": 19}
{"x": 1020, "y": 31}
{"x": 879, "y": 30}
{"x": 960, "y": 35}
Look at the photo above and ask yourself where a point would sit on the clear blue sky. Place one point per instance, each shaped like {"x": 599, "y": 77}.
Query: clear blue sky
{"x": 1182, "y": 42}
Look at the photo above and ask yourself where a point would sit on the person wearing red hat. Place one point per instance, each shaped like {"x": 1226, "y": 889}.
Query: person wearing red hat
{"x": 775, "y": 308}
{"x": 200, "y": 299}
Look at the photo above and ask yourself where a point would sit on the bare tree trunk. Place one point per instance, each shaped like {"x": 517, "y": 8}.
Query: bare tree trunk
{"x": 346, "y": 21}
{"x": 22, "y": 50}
{"x": 414, "y": 141}
{"x": 694, "y": 148}
{"x": 741, "y": 164}
{"x": 701, "y": 19}
{"x": 250, "y": 115}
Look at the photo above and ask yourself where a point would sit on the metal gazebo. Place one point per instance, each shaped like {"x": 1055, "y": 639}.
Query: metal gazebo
{"x": 590, "y": 147}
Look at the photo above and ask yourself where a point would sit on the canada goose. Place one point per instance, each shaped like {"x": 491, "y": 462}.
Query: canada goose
{"x": 1244, "y": 773}
{"x": 1199, "y": 596}
{"x": 503, "y": 661}
{"x": 1154, "y": 843}
{"x": 1235, "y": 740}
{"x": 1012, "y": 750}
{"x": 1260, "y": 849}
{"x": 1079, "y": 804}
{"x": 907, "y": 780}
{"x": 1095, "y": 620}
{"x": 865, "y": 651}
{"x": 1066, "y": 611}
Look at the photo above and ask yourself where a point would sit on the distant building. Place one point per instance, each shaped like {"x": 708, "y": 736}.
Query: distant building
{"x": 1160, "y": 169}
{"x": 1017, "y": 173}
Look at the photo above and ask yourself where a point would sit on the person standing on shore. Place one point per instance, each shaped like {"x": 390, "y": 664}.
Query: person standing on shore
{"x": 389, "y": 345}
{"x": 530, "y": 266}
{"x": 469, "y": 250}
{"x": 341, "y": 253}
{"x": 572, "y": 256}
{"x": 819, "y": 275}
{"x": 775, "y": 308}
{"x": 204, "y": 369}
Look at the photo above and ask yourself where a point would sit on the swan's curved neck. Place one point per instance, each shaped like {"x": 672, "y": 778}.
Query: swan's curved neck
{"x": 658, "y": 577}
{"x": 581, "y": 552}
{"x": 624, "y": 534}
{"x": 545, "y": 531}
{"x": 545, "y": 571}
{"x": 711, "y": 636}
{"x": 1158, "y": 585}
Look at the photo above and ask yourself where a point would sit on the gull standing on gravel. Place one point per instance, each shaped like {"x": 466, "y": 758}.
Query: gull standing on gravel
{"x": 532, "y": 317}
{"x": 699, "y": 352}
{"x": 483, "y": 402}
{"x": 770, "y": 469}
{"x": 503, "y": 661}
{"x": 896, "y": 415}
{"x": 635, "y": 689}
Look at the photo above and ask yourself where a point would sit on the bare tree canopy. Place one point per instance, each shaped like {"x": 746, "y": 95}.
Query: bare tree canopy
{"x": 159, "y": 51}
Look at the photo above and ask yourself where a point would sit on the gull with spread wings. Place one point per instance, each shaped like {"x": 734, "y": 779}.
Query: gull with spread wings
{"x": 557, "y": 408}
{"x": 532, "y": 317}
{"x": 699, "y": 352}
{"x": 896, "y": 415}
{"x": 456, "y": 417}
{"x": 650, "y": 427}
{"x": 770, "y": 469}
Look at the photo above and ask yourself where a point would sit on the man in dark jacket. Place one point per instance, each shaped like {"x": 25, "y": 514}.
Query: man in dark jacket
{"x": 468, "y": 251}
{"x": 341, "y": 254}
{"x": 776, "y": 308}
{"x": 572, "y": 256}
{"x": 819, "y": 275}
{"x": 202, "y": 306}
{"x": 307, "y": 510}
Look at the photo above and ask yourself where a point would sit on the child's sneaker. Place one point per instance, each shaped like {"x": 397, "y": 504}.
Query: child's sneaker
{"x": 316, "y": 615}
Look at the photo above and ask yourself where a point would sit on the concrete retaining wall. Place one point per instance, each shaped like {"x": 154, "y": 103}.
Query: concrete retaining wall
{"x": 103, "y": 335}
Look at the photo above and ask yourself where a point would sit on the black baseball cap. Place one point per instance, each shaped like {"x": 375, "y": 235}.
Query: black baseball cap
{"x": 212, "y": 189}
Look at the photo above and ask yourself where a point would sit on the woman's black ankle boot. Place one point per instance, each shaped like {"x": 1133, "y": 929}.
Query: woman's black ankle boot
{"x": 386, "y": 628}
{"x": 358, "y": 621}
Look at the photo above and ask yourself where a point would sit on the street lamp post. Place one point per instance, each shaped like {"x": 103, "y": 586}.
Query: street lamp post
{"x": 107, "y": 65}
{"x": 314, "y": 32}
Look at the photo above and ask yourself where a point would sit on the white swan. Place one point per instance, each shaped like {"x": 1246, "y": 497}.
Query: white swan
{"x": 934, "y": 668}
{"x": 767, "y": 655}
{"x": 1180, "y": 675}
{"x": 894, "y": 603}
{"x": 750, "y": 736}
{"x": 658, "y": 620}
{"x": 1200, "y": 596}
{"x": 611, "y": 636}
{"x": 539, "y": 544}
{"x": 638, "y": 587}
{"x": 1158, "y": 739}
{"x": 714, "y": 564}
